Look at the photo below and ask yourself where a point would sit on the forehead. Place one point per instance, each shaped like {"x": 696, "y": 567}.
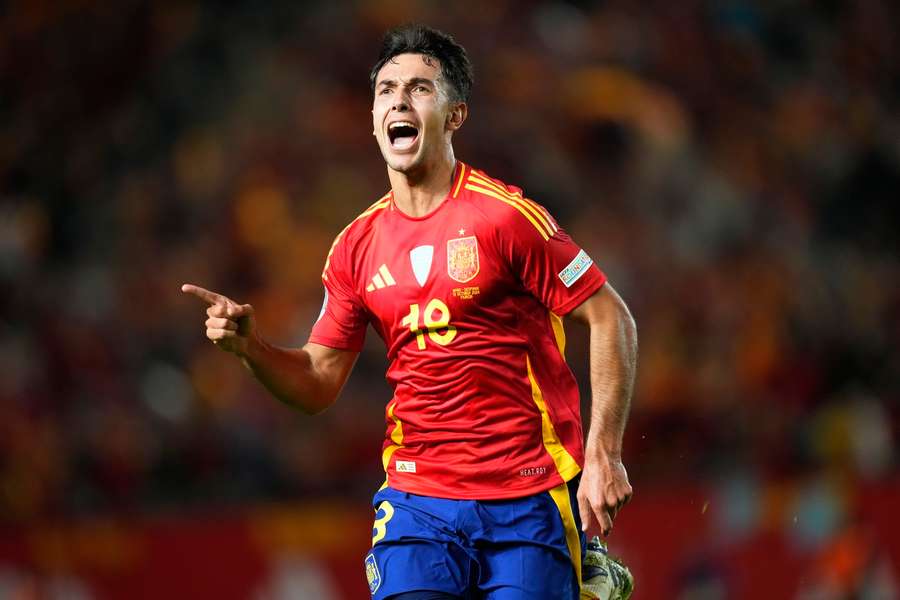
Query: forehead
{"x": 406, "y": 66}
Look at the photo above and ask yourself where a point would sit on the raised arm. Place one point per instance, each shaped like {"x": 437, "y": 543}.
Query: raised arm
{"x": 308, "y": 378}
{"x": 604, "y": 487}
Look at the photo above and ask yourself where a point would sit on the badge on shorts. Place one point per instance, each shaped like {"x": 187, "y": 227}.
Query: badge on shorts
{"x": 372, "y": 574}
{"x": 462, "y": 259}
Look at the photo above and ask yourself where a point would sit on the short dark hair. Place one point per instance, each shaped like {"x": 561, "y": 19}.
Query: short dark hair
{"x": 420, "y": 39}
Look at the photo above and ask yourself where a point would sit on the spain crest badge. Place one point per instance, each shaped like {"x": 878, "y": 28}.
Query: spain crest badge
{"x": 462, "y": 259}
{"x": 372, "y": 574}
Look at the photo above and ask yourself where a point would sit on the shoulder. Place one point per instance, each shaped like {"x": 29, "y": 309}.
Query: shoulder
{"x": 507, "y": 205}
{"x": 356, "y": 229}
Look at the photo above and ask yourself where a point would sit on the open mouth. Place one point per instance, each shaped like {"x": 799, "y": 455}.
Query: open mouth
{"x": 402, "y": 134}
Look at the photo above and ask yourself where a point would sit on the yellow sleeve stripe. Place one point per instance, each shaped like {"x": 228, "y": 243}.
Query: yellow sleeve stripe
{"x": 462, "y": 176}
{"x": 544, "y": 212}
{"x": 532, "y": 206}
{"x": 513, "y": 203}
{"x": 384, "y": 202}
{"x": 535, "y": 208}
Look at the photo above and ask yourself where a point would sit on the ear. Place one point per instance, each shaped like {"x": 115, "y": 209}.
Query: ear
{"x": 457, "y": 116}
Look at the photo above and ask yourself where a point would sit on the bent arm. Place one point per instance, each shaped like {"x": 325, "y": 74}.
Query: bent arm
{"x": 613, "y": 362}
{"x": 308, "y": 378}
{"x": 604, "y": 487}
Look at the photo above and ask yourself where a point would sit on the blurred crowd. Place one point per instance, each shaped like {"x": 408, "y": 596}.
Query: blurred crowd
{"x": 734, "y": 167}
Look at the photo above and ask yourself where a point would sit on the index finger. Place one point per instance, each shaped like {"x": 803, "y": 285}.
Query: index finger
{"x": 204, "y": 294}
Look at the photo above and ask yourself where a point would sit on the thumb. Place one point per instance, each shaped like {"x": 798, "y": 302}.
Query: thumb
{"x": 240, "y": 310}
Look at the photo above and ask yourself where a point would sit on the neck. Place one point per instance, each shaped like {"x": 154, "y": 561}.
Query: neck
{"x": 419, "y": 192}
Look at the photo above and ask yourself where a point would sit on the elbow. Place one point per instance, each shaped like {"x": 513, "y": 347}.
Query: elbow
{"x": 317, "y": 408}
{"x": 628, "y": 322}
{"x": 308, "y": 404}
{"x": 628, "y": 328}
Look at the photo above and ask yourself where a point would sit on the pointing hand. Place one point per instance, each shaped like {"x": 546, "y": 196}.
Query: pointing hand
{"x": 231, "y": 326}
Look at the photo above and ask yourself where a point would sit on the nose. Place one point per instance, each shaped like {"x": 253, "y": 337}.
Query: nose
{"x": 400, "y": 103}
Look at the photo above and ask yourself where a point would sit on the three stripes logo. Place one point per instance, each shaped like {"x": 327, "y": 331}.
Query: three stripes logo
{"x": 381, "y": 279}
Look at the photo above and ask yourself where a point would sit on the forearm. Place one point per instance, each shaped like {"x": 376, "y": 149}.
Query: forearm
{"x": 291, "y": 375}
{"x": 613, "y": 362}
{"x": 307, "y": 378}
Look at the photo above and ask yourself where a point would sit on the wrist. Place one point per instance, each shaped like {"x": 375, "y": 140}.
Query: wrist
{"x": 602, "y": 450}
{"x": 252, "y": 351}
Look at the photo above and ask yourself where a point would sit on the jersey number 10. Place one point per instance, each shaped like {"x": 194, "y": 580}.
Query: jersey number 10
{"x": 432, "y": 325}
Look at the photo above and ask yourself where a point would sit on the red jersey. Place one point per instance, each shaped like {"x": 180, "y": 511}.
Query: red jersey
{"x": 468, "y": 300}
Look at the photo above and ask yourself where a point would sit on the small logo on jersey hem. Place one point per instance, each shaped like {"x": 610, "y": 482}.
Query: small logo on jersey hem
{"x": 576, "y": 268}
{"x": 532, "y": 471}
{"x": 462, "y": 259}
{"x": 406, "y": 466}
{"x": 372, "y": 574}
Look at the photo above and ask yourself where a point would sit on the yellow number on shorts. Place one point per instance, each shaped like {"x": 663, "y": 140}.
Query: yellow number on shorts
{"x": 380, "y": 525}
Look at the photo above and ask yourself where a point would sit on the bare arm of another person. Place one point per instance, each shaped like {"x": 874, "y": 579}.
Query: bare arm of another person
{"x": 308, "y": 378}
{"x": 604, "y": 486}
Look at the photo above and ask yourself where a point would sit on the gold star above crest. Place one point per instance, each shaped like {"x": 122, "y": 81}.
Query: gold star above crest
{"x": 462, "y": 232}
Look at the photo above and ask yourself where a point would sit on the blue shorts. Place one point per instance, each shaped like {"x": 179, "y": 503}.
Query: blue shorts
{"x": 519, "y": 549}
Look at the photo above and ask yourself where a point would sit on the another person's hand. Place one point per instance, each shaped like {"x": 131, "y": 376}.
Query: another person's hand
{"x": 230, "y": 326}
{"x": 603, "y": 491}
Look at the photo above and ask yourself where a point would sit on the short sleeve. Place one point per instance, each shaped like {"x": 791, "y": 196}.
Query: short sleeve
{"x": 552, "y": 267}
{"x": 343, "y": 319}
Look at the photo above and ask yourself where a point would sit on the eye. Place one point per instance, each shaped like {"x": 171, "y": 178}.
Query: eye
{"x": 421, "y": 88}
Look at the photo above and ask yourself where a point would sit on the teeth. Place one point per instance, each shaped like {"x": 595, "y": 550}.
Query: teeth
{"x": 400, "y": 124}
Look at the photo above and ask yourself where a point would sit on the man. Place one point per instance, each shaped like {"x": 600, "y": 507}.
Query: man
{"x": 490, "y": 487}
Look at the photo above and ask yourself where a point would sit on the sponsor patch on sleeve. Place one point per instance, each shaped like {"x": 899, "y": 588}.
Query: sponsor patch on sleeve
{"x": 576, "y": 268}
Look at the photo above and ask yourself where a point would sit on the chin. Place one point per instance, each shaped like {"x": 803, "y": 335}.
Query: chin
{"x": 403, "y": 164}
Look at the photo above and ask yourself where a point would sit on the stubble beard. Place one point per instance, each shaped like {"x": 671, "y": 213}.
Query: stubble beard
{"x": 408, "y": 165}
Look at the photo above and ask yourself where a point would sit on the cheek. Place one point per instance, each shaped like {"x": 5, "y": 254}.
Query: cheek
{"x": 429, "y": 113}
{"x": 381, "y": 106}
{"x": 377, "y": 117}
{"x": 436, "y": 120}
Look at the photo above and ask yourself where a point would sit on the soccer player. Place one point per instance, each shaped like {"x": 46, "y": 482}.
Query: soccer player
{"x": 490, "y": 486}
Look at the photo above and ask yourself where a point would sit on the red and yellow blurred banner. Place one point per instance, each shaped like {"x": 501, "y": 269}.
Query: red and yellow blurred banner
{"x": 671, "y": 539}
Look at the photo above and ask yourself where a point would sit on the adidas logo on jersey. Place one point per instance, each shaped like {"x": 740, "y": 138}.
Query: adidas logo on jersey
{"x": 381, "y": 279}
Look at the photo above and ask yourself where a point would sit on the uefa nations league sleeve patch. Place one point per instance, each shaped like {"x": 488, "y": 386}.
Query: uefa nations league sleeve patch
{"x": 575, "y": 269}
{"x": 372, "y": 574}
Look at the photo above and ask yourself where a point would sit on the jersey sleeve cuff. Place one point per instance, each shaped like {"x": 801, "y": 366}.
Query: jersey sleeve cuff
{"x": 336, "y": 343}
{"x": 595, "y": 280}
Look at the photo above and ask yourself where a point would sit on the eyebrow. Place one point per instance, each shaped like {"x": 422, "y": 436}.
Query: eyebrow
{"x": 412, "y": 81}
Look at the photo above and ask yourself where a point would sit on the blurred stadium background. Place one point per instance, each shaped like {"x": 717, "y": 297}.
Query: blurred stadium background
{"x": 734, "y": 167}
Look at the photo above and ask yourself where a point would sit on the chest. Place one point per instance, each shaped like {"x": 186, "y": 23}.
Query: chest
{"x": 428, "y": 274}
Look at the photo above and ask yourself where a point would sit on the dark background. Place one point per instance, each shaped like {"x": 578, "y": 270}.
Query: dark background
{"x": 733, "y": 166}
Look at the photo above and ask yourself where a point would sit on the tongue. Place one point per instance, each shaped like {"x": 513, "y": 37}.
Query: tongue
{"x": 404, "y": 140}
